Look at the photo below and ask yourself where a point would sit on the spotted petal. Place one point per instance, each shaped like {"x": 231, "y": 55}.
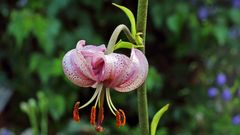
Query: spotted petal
{"x": 135, "y": 74}
{"x": 83, "y": 64}
{"x": 87, "y": 66}
{"x": 73, "y": 72}
{"x": 115, "y": 66}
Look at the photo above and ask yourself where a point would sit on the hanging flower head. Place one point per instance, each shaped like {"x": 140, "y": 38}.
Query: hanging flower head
{"x": 90, "y": 66}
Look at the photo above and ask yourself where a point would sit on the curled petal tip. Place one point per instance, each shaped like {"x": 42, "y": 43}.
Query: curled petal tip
{"x": 136, "y": 73}
{"x": 80, "y": 44}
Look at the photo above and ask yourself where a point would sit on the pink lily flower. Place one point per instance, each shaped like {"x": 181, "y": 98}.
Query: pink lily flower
{"x": 89, "y": 66}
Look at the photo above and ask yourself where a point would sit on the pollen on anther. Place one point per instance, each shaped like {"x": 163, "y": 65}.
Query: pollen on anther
{"x": 118, "y": 119}
{"x": 76, "y": 116}
{"x": 122, "y": 117}
{"x": 93, "y": 116}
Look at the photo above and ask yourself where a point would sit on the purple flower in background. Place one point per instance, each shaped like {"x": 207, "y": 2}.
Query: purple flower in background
{"x": 22, "y": 3}
{"x": 212, "y": 92}
{"x": 221, "y": 79}
{"x": 238, "y": 92}
{"x": 4, "y": 131}
{"x": 234, "y": 32}
{"x": 236, "y": 119}
{"x": 236, "y": 3}
{"x": 203, "y": 13}
{"x": 226, "y": 94}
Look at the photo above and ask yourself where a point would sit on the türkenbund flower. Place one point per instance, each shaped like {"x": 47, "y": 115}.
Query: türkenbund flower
{"x": 89, "y": 66}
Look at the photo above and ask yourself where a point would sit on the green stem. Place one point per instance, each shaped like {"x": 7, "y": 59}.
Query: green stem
{"x": 44, "y": 122}
{"x": 114, "y": 37}
{"x": 33, "y": 121}
{"x": 142, "y": 91}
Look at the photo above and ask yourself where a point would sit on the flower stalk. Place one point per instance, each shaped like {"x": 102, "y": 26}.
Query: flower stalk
{"x": 114, "y": 37}
{"x": 142, "y": 91}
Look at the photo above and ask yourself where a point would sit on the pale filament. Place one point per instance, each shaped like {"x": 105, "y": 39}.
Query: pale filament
{"x": 96, "y": 93}
{"x": 109, "y": 101}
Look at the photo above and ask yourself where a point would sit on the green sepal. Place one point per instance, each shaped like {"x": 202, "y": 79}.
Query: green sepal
{"x": 139, "y": 39}
{"x": 127, "y": 45}
{"x": 130, "y": 17}
{"x": 156, "y": 119}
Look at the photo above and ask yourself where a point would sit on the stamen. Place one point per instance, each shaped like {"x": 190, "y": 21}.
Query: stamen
{"x": 108, "y": 102}
{"x": 120, "y": 118}
{"x": 123, "y": 117}
{"x": 99, "y": 88}
{"x": 99, "y": 127}
{"x": 93, "y": 115}
{"x": 118, "y": 121}
{"x": 76, "y": 116}
{"x": 97, "y": 100}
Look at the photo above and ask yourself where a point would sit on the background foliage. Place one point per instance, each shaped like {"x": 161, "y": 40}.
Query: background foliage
{"x": 189, "y": 43}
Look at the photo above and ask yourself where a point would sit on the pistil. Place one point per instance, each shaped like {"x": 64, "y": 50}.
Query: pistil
{"x": 99, "y": 127}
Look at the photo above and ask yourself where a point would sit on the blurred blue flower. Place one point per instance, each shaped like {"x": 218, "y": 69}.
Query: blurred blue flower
{"x": 221, "y": 79}
{"x": 4, "y": 131}
{"x": 226, "y": 94}
{"x": 212, "y": 92}
{"x": 236, "y": 3}
{"x": 236, "y": 119}
{"x": 203, "y": 13}
{"x": 22, "y": 3}
{"x": 234, "y": 32}
{"x": 238, "y": 92}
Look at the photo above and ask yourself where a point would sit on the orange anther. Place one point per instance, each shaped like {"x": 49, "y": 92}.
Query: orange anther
{"x": 123, "y": 117}
{"x": 76, "y": 116}
{"x": 93, "y": 115}
{"x": 118, "y": 119}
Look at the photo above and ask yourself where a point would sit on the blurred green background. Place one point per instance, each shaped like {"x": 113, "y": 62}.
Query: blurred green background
{"x": 192, "y": 47}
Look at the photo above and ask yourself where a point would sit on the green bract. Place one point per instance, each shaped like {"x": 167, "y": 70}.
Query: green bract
{"x": 124, "y": 44}
{"x": 156, "y": 119}
{"x": 134, "y": 34}
{"x": 130, "y": 17}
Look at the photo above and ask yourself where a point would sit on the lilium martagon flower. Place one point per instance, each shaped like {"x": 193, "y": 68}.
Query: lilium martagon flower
{"x": 89, "y": 66}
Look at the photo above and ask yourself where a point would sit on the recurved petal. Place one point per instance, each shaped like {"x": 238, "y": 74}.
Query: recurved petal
{"x": 76, "y": 72}
{"x": 81, "y": 46}
{"x": 135, "y": 74}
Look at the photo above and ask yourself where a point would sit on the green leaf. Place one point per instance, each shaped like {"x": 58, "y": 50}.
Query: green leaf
{"x": 57, "y": 106}
{"x": 20, "y": 25}
{"x": 235, "y": 16}
{"x": 153, "y": 77}
{"x": 174, "y": 23}
{"x": 42, "y": 101}
{"x": 220, "y": 33}
{"x": 157, "y": 13}
{"x": 127, "y": 45}
{"x": 130, "y": 17}
{"x": 156, "y": 119}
